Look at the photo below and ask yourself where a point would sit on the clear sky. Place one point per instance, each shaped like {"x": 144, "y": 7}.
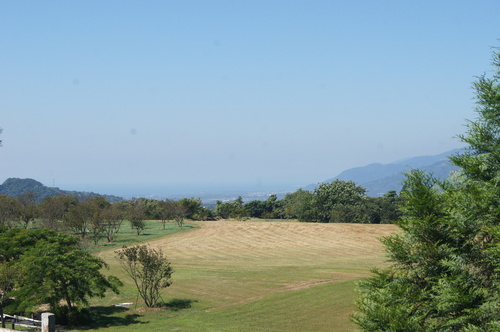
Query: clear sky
{"x": 241, "y": 94}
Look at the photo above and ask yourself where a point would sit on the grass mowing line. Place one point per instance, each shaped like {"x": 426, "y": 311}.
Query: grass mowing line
{"x": 235, "y": 274}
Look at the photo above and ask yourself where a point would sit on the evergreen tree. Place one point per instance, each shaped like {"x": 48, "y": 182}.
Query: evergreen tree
{"x": 445, "y": 272}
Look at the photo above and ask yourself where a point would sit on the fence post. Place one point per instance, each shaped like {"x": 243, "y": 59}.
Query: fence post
{"x": 48, "y": 322}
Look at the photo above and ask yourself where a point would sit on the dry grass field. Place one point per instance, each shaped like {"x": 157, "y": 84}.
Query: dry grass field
{"x": 262, "y": 276}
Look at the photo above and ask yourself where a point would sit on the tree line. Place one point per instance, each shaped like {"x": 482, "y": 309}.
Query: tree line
{"x": 95, "y": 218}
{"x": 338, "y": 201}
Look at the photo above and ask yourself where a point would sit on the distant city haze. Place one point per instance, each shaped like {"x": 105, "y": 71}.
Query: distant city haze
{"x": 179, "y": 190}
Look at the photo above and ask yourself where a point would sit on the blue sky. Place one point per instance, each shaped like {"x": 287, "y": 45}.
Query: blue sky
{"x": 96, "y": 95}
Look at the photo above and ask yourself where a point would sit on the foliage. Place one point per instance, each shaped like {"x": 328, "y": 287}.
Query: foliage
{"x": 149, "y": 269}
{"x": 389, "y": 207}
{"x": 481, "y": 161}
{"x": 97, "y": 205}
{"x": 297, "y": 205}
{"x": 136, "y": 213}
{"x": 191, "y": 206}
{"x": 54, "y": 269}
{"x": 28, "y": 210}
{"x": 445, "y": 272}
{"x": 54, "y": 208}
{"x": 337, "y": 201}
{"x": 9, "y": 211}
{"x": 235, "y": 209}
{"x": 76, "y": 220}
{"x": 152, "y": 208}
{"x": 88, "y": 218}
{"x": 185, "y": 208}
{"x": 10, "y": 275}
{"x": 269, "y": 209}
{"x": 58, "y": 273}
{"x": 16, "y": 241}
{"x": 113, "y": 216}
{"x": 382, "y": 210}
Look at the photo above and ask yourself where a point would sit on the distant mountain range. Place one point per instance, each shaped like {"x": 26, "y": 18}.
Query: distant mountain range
{"x": 378, "y": 179}
{"x": 15, "y": 187}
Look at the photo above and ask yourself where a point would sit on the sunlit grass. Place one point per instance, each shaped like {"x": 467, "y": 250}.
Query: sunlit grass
{"x": 250, "y": 276}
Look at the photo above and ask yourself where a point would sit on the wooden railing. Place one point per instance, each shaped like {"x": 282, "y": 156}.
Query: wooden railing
{"x": 47, "y": 324}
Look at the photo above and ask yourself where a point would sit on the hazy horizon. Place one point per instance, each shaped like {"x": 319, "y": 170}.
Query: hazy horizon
{"x": 173, "y": 190}
{"x": 176, "y": 190}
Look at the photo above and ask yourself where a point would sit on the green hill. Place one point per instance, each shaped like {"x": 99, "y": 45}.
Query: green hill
{"x": 15, "y": 187}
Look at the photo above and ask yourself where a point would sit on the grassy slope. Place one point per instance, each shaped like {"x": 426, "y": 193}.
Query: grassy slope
{"x": 253, "y": 276}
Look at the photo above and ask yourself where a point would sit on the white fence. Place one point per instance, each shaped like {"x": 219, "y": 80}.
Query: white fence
{"x": 47, "y": 324}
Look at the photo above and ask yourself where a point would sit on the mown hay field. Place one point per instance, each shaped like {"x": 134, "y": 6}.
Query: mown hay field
{"x": 254, "y": 276}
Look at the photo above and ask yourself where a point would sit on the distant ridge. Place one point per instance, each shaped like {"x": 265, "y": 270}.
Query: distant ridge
{"x": 15, "y": 187}
{"x": 378, "y": 179}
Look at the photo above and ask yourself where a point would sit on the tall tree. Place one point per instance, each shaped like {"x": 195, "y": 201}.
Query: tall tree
{"x": 77, "y": 220}
{"x": 174, "y": 210}
{"x": 445, "y": 274}
{"x": 96, "y": 206}
{"x": 136, "y": 213}
{"x": 53, "y": 209}
{"x": 9, "y": 211}
{"x": 113, "y": 217}
{"x": 28, "y": 208}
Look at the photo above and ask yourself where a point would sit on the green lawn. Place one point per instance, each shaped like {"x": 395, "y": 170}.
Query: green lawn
{"x": 249, "y": 276}
{"x": 128, "y": 236}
